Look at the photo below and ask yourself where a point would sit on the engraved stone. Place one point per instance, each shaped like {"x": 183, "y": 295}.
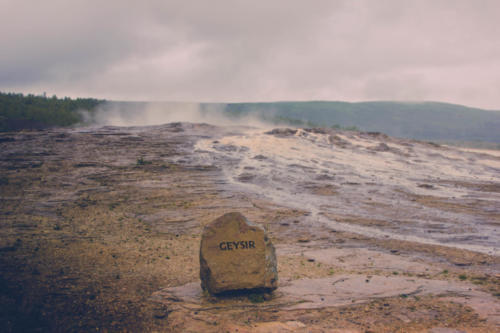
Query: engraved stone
{"x": 236, "y": 254}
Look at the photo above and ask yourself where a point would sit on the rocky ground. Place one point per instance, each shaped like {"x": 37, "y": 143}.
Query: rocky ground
{"x": 100, "y": 231}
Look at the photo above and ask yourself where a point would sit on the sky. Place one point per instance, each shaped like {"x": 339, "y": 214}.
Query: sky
{"x": 248, "y": 51}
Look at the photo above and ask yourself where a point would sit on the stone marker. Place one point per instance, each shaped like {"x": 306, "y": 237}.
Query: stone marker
{"x": 236, "y": 254}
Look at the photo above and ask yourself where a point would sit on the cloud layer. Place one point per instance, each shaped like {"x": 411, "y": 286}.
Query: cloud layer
{"x": 233, "y": 50}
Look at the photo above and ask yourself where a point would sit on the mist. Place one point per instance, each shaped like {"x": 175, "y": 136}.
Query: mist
{"x": 158, "y": 113}
{"x": 422, "y": 121}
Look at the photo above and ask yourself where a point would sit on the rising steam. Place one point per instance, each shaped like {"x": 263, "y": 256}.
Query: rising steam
{"x": 157, "y": 113}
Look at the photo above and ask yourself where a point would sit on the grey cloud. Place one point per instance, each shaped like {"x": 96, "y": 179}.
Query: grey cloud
{"x": 254, "y": 51}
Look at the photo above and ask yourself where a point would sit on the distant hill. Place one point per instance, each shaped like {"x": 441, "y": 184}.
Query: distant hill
{"x": 431, "y": 121}
{"x": 425, "y": 121}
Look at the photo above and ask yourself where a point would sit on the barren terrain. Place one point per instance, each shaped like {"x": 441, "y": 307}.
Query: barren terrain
{"x": 100, "y": 230}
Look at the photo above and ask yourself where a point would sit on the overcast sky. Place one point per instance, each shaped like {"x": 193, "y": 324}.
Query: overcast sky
{"x": 221, "y": 51}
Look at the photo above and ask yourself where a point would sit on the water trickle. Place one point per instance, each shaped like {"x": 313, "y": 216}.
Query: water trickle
{"x": 332, "y": 173}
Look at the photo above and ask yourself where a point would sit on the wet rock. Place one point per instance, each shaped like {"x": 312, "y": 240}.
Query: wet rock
{"x": 227, "y": 148}
{"x": 377, "y": 135}
{"x": 338, "y": 141}
{"x": 318, "y": 130}
{"x": 427, "y": 186}
{"x": 282, "y": 132}
{"x": 246, "y": 177}
{"x": 236, "y": 254}
{"x": 175, "y": 127}
{"x": 325, "y": 190}
{"x": 351, "y": 183}
{"x": 381, "y": 147}
{"x": 325, "y": 177}
{"x": 461, "y": 262}
{"x": 161, "y": 311}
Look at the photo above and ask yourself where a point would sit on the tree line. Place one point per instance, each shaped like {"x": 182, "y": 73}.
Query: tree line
{"x": 18, "y": 111}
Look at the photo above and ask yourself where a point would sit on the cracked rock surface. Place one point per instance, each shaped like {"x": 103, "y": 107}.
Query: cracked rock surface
{"x": 100, "y": 229}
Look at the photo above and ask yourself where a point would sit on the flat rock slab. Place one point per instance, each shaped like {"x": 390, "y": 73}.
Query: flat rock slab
{"x": 236, "y": 254}
{"x": 339, "y": 290}
{"x": 360, "y": 258}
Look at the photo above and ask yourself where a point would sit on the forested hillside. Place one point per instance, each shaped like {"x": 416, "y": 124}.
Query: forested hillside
{"x": 426, "y": 120}
{"x": 18, "y": 111}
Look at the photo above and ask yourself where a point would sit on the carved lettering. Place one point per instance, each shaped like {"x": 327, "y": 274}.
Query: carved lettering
{"x": 236, "y": 245}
